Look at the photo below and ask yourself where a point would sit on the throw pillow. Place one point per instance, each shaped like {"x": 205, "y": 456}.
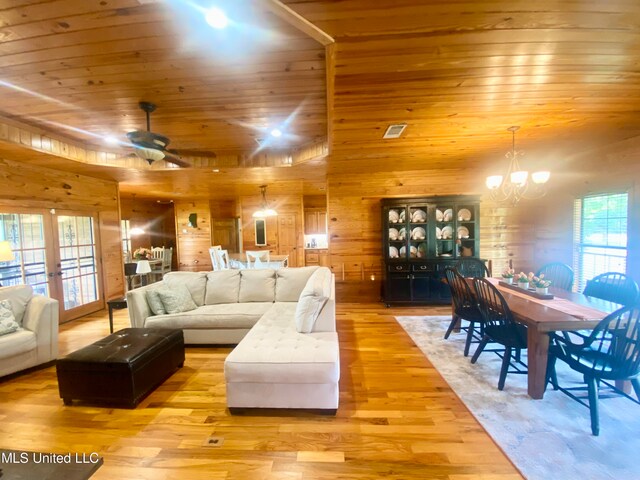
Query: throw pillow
{"x": 291, "y": 281}
{"x": 176, "y": 299}
{"x": 8, "y": 322}
{"x": 19, "y": 296}
{"x": 155, "y": 303}
{"x": 307, "y": 311}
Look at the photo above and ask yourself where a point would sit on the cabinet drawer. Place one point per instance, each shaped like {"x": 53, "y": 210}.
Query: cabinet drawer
{"x": 424, "y": 267}
{"x": 400, "y": 267}
{"x": 312, "y": 257}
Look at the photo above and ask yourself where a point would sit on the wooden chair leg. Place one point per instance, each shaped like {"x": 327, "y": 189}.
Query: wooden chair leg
{"x": 467, "y": 344}
{"x": 483, "y": 343}
{"x": 592, "y": 386}
{"x": 452, "y": 325}
{"x": 551, "y": 372}
{"x": 635, "y": 383}
{"x": 506, "y": 360}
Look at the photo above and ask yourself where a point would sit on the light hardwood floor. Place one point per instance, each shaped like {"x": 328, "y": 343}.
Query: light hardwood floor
{"x": 397, "y": 419}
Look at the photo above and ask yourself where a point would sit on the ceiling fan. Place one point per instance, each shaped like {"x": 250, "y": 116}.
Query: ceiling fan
{"x": 152, "y": 146}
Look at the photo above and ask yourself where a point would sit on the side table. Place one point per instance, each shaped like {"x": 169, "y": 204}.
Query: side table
{"x": 117, "y": 304}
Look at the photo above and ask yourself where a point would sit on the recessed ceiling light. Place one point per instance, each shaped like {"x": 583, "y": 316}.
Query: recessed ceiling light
{"x": 216, "y": 18}
{"x": 216, "y": 170}
{"x": 111, "y": 140}
{"x": 276, "y": 133}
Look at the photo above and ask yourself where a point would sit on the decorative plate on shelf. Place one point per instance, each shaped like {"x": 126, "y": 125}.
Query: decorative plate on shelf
{"x": 403, "y": 251}
{"x": 393, "y": 234}
{"x": 402, "y": 215}
{"x": 447, "y": 233}
{"x": 422, "y": 250}
{"x": 418, "y": 233}
{"x": 463, "y": 232}
{"x": 464, "y": 215}
{"x": 438, "y": 233}
{"x": 394, "y": 216}
{"x": 439, "y": 215}
{"x": 393, "y": 252}
{"x": 413, "y": 252}
{"x": 403, "y": 234}
{"x": 448, "y": 215}
{"x": 419, "y": 216}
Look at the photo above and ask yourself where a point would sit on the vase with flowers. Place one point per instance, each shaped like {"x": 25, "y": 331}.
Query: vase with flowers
{"x": 142, "y": 254}
{"x": 541, "y": 284}
{"x": 523, "y": 280}
{"x": 508, "y": 275}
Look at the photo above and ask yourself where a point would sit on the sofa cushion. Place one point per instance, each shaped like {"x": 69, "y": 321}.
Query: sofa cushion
{"x": 19, "y": 295}
{"x": 155, "y": 303}
{"x": 223, "y": 286}
{"x": 319, "y": 283}
{"x": 195, "y": 282}
{"x": 308, "y": 309}
{"x": 273, "y": 352}
{"x": 8, "y": 322}
{"x": 228, "y": 315}
{"x": 291, "y": 281}
{"x": 17, "y": 342}
{"x": 257, "y": 285}
{"x": 176, "y": 298}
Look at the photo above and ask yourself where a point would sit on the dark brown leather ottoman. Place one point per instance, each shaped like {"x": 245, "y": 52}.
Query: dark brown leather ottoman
{"x": 121, "y": 368}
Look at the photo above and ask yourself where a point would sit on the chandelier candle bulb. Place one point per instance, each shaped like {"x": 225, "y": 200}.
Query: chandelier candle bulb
{"x": 540, "y": 177}
{"x": 519, "y": 178}
{"x": 494, "y": 182}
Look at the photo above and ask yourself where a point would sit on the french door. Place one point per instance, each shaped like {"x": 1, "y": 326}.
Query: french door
{"x": 55, "y": 253}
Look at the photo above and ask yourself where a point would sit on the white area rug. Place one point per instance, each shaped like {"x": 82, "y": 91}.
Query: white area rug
{"x": 546, "y": 439}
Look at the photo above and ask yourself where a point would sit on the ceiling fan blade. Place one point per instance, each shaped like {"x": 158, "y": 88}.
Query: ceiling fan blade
{"x": 175, "y": 159}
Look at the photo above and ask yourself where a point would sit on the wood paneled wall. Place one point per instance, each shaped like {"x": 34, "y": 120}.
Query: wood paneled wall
{"x": 193, "y": 242}
{"x": 28, "y": 186}
{"x": 614, "y": 168}
{"x": 355, "y": 237}
{"x": 157, "y": 220}
{"x": 283, "y": 204}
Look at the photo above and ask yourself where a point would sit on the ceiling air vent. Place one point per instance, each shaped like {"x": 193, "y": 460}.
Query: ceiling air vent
{"x": 394, "y": 131}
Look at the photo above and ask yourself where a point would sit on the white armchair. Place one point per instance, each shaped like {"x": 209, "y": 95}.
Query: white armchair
{"x": 37, "y": 341}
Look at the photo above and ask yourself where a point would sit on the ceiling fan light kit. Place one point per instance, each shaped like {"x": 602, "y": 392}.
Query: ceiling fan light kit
{"x": 151, "y": 146}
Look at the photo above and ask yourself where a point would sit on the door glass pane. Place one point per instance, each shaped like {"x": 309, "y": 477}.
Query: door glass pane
{"x": 25, "y": 233}
{"x": 77, "y": 258}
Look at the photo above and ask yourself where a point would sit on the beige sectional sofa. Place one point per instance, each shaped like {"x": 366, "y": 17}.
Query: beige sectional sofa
{"x": 36, "y": 342}
{"x": 282, "y": 320}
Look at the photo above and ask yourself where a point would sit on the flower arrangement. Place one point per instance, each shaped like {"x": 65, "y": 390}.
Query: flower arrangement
{"x": 540, "y": 282}
{"x": 142, "y": 254}
{"x": 524, "y": 278}
{"x": 508, "y": 273}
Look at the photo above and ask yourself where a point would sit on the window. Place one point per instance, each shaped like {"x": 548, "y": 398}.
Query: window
{"x": 600, "y": 236}
{"x": 25, "y": 232}
{"x": 125, "y": 228}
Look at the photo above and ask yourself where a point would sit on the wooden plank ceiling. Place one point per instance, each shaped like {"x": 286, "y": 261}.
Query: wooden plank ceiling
{"x": 459, "y": 73}
{"x": 79, "y": 68}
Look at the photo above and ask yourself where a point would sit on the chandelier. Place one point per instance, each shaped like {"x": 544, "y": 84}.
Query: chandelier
{"x": 264, "y": 210}
{"x": 516, "y": 184}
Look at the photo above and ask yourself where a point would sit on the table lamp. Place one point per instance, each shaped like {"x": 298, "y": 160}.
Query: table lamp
{"x": 143, "y": 268}
{"x": 6, "y": 254}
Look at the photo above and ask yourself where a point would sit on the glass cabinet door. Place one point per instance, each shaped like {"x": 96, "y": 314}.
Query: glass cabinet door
{"x": 396, "y": 226}
{"x": 466, "y": 230}
{"x": 445, "y": 231}
{"x": 417, "y": 231}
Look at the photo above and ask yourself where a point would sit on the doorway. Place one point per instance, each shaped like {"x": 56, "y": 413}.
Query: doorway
{"x": 287, "y": 236}
{"x": 57, "y": 255}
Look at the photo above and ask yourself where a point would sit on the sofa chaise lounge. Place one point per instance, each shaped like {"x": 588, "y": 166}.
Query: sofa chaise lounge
{"x": 283, "y": 322}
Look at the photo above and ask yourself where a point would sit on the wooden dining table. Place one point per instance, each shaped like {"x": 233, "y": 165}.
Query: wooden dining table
{"x": 541, "y": 318}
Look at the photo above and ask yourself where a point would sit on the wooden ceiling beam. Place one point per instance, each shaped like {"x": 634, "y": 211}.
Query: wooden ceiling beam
{"x": 298, "y": 21}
